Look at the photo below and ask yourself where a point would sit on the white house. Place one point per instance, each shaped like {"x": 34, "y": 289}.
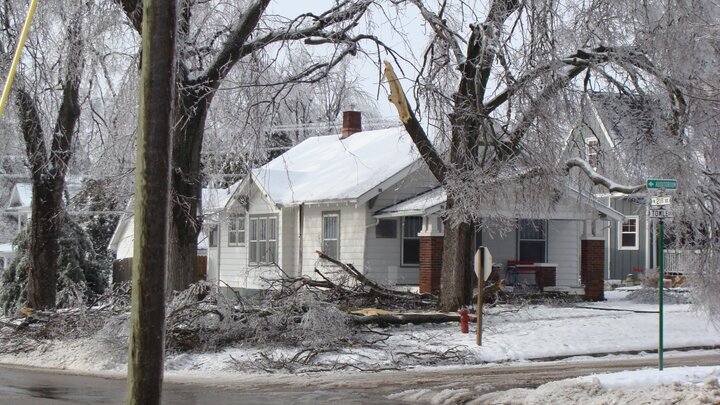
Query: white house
{"x": 366, "y": 198}
{"x": 7, "y": 253}
{"x": 20, "y": 204}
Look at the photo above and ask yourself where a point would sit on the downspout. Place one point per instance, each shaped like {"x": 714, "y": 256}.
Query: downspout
{"x": 301, "y": 228}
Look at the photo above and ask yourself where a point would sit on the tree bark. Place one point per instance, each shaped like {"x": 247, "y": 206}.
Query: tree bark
{"x": 44, "y": 242}
{"x": 48, "y": 176}
{"x": 456, "y": 276}
{"x": 191, "y": 111}
{"x": 152, "y": 190}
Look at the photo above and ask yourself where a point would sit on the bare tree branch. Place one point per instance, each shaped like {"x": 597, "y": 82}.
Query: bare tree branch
{"x": 601, "y": 180}
{"x": 415, "y": 130}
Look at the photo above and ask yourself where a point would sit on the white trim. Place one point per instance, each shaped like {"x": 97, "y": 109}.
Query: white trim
{"x": 402, "y": 242}
{"x": 237, "y": 220}
{"x": 620, "y": 233}
{"x": 330, "y": 214}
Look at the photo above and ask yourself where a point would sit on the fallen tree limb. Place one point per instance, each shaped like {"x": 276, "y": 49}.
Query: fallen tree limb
{"x": 373, "y": 286}
{"x": 402, "y": 319}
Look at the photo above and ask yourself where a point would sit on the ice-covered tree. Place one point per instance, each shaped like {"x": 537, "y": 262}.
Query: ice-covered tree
{"x": 504, "y": 82}
{"x": 79, "y": 276}
{"x": 216, "y": 38}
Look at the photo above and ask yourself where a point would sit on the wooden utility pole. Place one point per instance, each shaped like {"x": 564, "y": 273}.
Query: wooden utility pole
{"x": 152, "y": 184}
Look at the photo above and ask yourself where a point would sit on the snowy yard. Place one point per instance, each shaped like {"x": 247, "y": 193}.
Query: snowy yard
{"x": 529, "y": 332}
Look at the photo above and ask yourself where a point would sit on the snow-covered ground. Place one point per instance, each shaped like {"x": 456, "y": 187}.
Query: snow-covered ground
{"x": 510, "y": 334}
{"x": 681, "y": 385}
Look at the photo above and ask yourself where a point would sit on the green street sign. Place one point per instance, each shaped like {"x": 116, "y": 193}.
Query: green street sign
{"x": 667, "y": 184}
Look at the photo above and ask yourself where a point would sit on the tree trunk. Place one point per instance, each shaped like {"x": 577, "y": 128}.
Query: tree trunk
{"x": 146, "y": 351}
{"x": 456, "y": 276}
{"x": 191, "y": 105}
{"x": 44, "y": 242}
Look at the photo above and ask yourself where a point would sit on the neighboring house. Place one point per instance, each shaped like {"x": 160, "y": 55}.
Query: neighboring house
{"x": 611, "y": 131}
{"x": 7, "y": 253}
{"x": 20, "y": 202}
{"x": 367, "y": 198}
{"x": 19, "y": 207}
{"x": 213, "y": 199}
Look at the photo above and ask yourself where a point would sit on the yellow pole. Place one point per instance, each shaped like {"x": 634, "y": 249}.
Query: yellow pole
{"x": 16, "y": 58}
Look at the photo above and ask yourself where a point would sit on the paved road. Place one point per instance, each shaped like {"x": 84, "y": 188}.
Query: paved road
{"x": 34, "y": 386}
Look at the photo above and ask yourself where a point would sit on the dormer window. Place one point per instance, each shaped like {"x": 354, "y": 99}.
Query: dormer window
{"x": 592, "y": 150}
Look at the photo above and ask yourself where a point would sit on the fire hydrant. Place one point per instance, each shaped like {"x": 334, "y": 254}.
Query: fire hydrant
{"x": 464, "y": 320}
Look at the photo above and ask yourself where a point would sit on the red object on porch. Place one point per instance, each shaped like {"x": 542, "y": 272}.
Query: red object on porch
{"x": 543, "y": 274}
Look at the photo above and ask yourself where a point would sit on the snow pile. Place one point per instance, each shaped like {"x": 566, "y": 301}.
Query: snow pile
{"x": 682, "y": 385}
{"x": 651, "y": 296}
{"x": 686, "y": 385}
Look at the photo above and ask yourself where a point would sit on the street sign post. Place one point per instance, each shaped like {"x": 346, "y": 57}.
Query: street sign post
{"x": 667, "y": 184}
{"x": 658, "y": 211}
{"x": 483, "y": 267}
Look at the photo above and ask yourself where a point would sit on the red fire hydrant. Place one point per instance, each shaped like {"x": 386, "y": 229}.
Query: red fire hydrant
{"x": 464, "y": 320}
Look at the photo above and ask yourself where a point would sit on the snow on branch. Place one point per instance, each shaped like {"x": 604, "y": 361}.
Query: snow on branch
{"x": 601, "y": 180}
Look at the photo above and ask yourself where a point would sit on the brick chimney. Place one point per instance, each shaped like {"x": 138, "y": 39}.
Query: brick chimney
{"x": 352, "y": 123}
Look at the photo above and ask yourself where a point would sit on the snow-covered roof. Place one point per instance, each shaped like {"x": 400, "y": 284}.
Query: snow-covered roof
{"x": 21, "y": 196}
{"x": 432, "y": 202}
{"x": 24, "y": 195}
{"x": 422, "y": 204}
{"x": 326, "y": 168}
{"x": 6, "y": 248}
{"x": 214, "y": 199}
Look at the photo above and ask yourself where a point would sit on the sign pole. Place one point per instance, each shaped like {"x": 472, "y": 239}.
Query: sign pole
{"x": 661, "y": 288}
{"x": 480, "y": 265}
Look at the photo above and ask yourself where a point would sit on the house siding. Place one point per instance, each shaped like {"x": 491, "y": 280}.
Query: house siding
{"x": 234, "y": 267}
{"x": 417, "y": 182}
{"x": 289, "y": 240}
{"x": 352, "y": 236}
{"x": 127, "y": 240}
{"x": 383, "y": 256}
{"x": 624, "y": 262}
{"x": 564, "y": 251}
{"x": 503, "y": 247}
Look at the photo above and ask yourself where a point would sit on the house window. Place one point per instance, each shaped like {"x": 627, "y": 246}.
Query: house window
{"x": 262, "y": 246}
{"x": 212, "y": 237}
{"x": 331, "y": 234}
{"x": 411, "y": 241}
{"x": 386, "y": 229}
{"x": 532, "y": 240}
{"x": 592, "y": 149}
{"x": 236, "y": 230}
{"x": 628, "y": 234}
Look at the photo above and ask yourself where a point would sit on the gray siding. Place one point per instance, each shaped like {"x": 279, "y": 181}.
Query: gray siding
{"x": 623, "y": 261}
{"x": 564, "y": 251}
{"x": 382, "y": 259}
